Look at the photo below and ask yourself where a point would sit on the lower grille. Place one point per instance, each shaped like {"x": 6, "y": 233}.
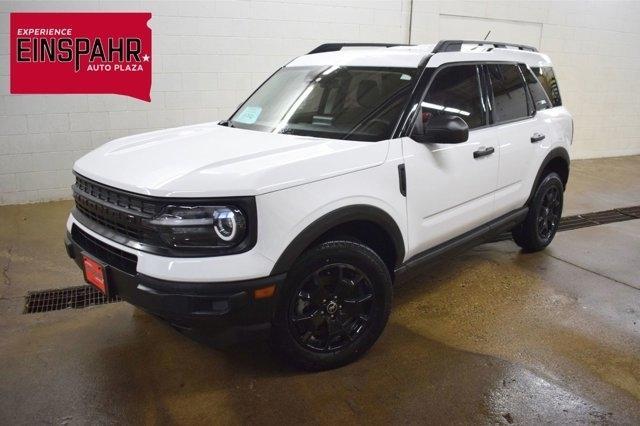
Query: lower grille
{"x": 115, "y": 257}
{"x": 65, "y": 298}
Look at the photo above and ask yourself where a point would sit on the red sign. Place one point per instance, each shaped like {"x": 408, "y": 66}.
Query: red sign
{"x": 81, "y": 53}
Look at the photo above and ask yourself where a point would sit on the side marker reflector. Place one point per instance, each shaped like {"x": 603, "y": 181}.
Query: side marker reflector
{"x": 265, "y": 292}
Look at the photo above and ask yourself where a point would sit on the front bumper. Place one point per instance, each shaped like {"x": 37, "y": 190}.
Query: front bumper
{"x": 226, "y": 310}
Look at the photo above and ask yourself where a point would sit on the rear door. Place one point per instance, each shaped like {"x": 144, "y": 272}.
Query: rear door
{"x": 450, "y": 188}
{"x": 521, "y": 132}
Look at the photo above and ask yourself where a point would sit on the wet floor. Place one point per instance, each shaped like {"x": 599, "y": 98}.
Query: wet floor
{"x": 491, "y": 336}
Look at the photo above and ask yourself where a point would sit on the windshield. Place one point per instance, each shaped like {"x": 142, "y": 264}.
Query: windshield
{"x": 358, "y": 103}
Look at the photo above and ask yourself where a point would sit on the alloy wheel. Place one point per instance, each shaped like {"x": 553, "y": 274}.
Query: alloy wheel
{"x": 331, "y": 307}
{"x": 549, "y": 213}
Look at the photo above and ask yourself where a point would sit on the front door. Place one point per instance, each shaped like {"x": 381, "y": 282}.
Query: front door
{"x": 451, "y": 187}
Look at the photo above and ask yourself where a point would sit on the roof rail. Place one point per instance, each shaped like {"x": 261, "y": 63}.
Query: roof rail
{"x": 332, "y": 47}
{"x": 456, "y": 45}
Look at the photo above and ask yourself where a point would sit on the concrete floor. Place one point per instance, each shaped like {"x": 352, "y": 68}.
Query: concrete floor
{"x": 492, "y": 336}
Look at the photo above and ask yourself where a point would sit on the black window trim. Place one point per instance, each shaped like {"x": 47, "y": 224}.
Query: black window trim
{"x": 484, "y": 81}
{"x": 531, "y": 105}
{"x": 406, "y": 120}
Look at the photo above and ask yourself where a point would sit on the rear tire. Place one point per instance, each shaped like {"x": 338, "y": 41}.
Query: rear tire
{"x": 333, "y": 306}
{"x": 541, "y": 224}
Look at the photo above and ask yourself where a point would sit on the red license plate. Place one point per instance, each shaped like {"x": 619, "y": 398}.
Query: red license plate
{"x": 94, "y": 274}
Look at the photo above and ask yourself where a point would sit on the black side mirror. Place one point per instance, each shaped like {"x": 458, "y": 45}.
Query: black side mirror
{"x": 442, "y": 129}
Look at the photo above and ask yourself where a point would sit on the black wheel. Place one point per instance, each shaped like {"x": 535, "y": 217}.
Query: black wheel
{"x": 541, "y": 224}
{"x": 333, "y": 307}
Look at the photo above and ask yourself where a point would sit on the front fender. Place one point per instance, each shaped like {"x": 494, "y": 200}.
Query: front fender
{"x": 333, "y": 219}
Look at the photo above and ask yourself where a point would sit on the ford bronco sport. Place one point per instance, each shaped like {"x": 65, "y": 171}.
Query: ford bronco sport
{"x": 347, "y": 167}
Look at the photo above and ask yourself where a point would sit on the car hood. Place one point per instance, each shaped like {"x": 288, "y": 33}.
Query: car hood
{"x": 209, "y": 160}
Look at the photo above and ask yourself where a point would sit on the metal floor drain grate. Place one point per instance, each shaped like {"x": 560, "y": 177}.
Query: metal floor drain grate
{"x": 585, "y": 220}
{"x": 65, "y": 298}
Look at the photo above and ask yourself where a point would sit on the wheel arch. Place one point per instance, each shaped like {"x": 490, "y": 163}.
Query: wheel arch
{"x": 347, "y": 220}
{"x": 557, "y": 160}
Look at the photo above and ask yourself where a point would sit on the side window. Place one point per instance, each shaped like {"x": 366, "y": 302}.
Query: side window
{"x": 540, "y": 98}
{"x": 455, "y": 90}
{"x": 510, "y": 101}
{"x": 548, "y": 80}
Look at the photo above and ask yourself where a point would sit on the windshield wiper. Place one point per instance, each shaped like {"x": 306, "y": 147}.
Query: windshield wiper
{"x": 226, "y": 123}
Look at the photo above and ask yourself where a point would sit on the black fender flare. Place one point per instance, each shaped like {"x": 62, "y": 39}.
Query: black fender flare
{"x": 559, "y": 152}
{"x": 338, "y": 217}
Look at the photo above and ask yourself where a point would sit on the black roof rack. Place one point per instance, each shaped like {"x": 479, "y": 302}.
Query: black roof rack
{"x": 456, "y": 45}
{"x": 332, "y": 47}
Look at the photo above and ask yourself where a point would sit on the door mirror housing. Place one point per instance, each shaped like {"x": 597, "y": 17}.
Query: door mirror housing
{"x": 441, "y": 129}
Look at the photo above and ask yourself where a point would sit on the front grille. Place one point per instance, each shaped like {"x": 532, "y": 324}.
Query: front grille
{"x": 116, "y": 197}
{"x": 120, "y": 222}
{"x": 117, "y": 210}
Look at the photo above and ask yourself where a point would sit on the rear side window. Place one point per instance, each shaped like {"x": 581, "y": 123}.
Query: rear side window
{"x": 547, "y": 78}
{"x": 510, "y": 101}
{"x": 540, "y": 99}
{"x": 455, "y": 90}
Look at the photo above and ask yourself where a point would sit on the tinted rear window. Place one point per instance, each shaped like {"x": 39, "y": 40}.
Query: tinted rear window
{"x": 510, "y": 101}
{"x": 548, "y": 80}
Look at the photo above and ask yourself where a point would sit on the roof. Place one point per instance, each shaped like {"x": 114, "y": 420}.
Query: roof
{"x": 400, "y": 57}
{"x": 404, "y": 56}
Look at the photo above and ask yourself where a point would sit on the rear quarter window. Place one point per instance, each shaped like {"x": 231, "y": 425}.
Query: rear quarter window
{"x": 547, "y": 79}
{"x": 540, "y": 99}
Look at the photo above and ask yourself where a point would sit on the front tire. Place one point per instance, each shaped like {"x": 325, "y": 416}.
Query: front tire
{"x": 333, "y": 306}
{"x": 541, "y": 224}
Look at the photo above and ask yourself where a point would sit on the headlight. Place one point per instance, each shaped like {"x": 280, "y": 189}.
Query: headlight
{"x": 200, "y": 226}
{"x": 226, "y": 224}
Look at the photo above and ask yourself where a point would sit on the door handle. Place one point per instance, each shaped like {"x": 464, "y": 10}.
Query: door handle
{"x": 483, "y": 151}
{"x": 536, "y": 137}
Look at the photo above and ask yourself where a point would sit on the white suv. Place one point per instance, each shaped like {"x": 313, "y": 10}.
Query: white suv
{"x": 346, "y": 168}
